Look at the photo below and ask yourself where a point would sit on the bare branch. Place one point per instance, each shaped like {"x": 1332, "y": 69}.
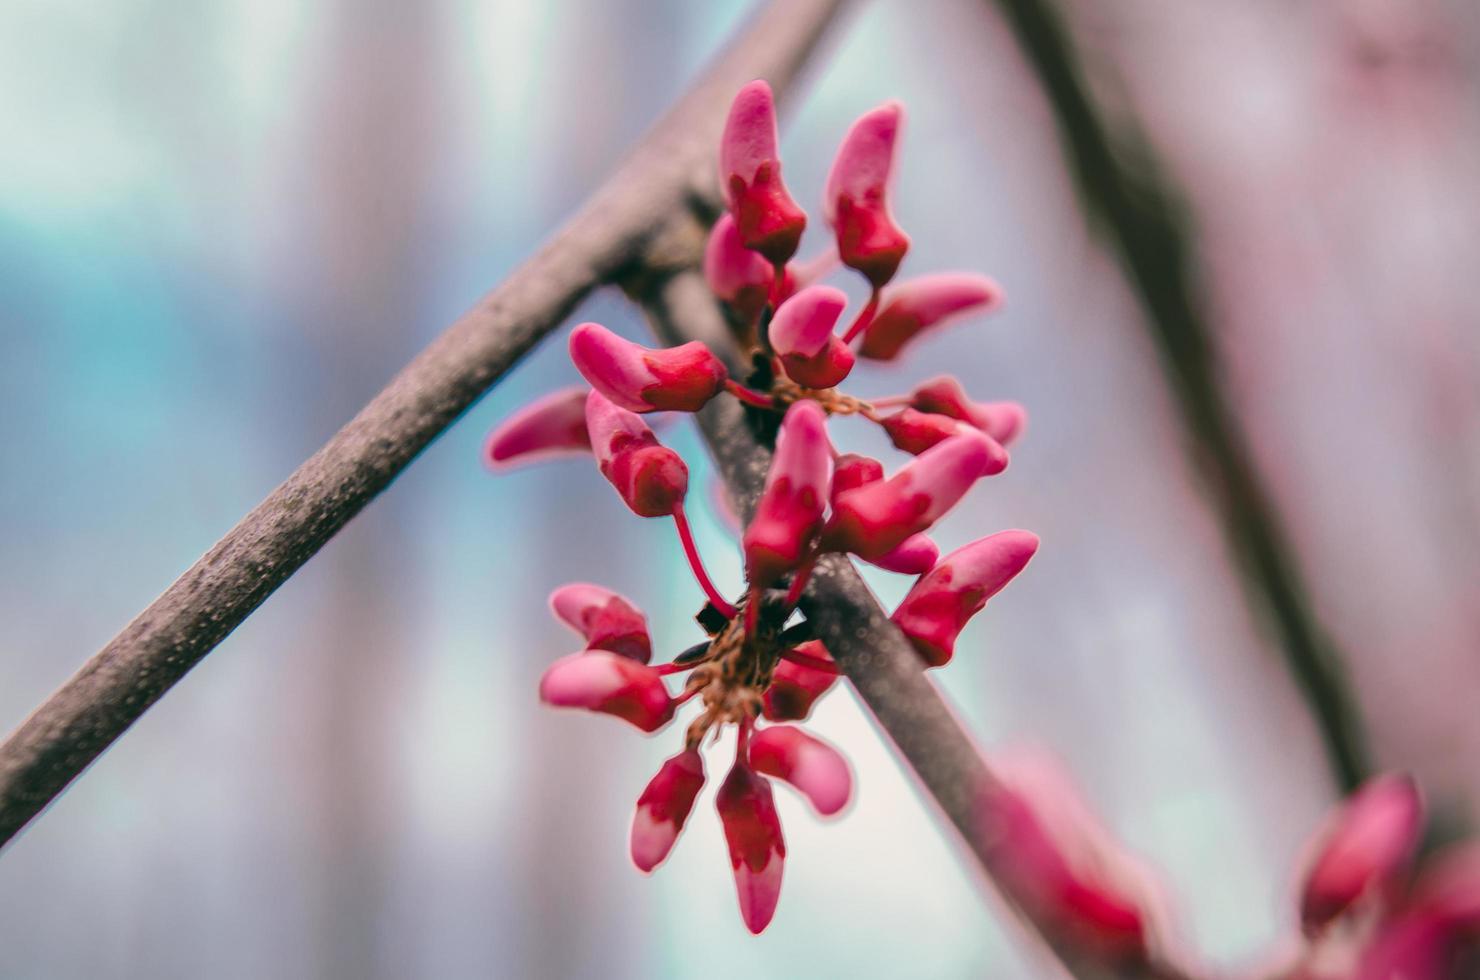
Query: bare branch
{"x": 119, "y": 683}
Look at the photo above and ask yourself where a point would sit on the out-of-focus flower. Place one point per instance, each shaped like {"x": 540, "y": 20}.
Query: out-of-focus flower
{"x": 1366, "y": 845}
{"x": 925, "y": 303}
{"x": 856, "y": 200}
{"x": 644, "y": 379}
{"x": 546, "y": 428}
{"x": 1003, "y": 421}
{"x": 606, "y": 620}
{"x": 757, "y": 850}
{"x": 663, "y": 808}
{"x": 817, "y": 770}
{"x": 802, "y": 334}
{"x": 769, "y": 221}
{"x": 651, "y": 478}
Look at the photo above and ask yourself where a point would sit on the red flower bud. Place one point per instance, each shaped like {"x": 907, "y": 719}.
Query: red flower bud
{"x": 757, "y": 850}
{"x": 874, "y": 519}
{"x": 935, "y": 611}
{"x": 923, "y": 303}
{"x": 817, "y": 770}
{"x": 650, "y": 477}
{"x": 641, "y": 379}
{"x": 852, "y": 470}
{"x": 789, "y": 512}
{"x": 664, "y": 806}
{"x": 736, "y": 274}
{"x": 1003, "y": 421}
{"x": 599, "y": 680}
{"x": 546, "y": 428}
{"x": 1368, "y": 841}
{"x": 855, "y": 201}
{"x": 750, "y": 175}
{"x": 916, "y": 555}
{"x": 605, "y": 619}
{"x": 914, "y": 432}
{"x": 802, "y": 333}
{"x": 794, "y": 687}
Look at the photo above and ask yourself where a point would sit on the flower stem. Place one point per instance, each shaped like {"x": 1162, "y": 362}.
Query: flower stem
{"x": 691, "y": 552}
{"x": 799, "y": 582}
{"x": 747, "y": 396}
{"x": 864, "y": 318}
{"x": 809, "y": 661}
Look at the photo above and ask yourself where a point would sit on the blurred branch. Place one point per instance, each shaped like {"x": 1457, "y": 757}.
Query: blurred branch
{"x": 1138, "y": 210}
{"x": 876, "y": 657}
{"x": 120, "y": 682}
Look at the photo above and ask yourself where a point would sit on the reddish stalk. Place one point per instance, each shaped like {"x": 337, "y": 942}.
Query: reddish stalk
{"x": 864, "y": 318}
{"x": 747, "y": 396}
{"x": 809, "y": 661}
{"x": 667, "y": 669}
{"x": 799, "y": 582}
{"x": 691, "y": 552}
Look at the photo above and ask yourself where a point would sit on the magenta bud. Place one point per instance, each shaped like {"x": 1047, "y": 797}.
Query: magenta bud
{"x": 802, "y": 334}
{"x": 737, "y": 275}
{"x": 855, "y": 201}
{"x": 935, "y": 611}
{"x": 546, "y": 428}
{"x": 795, "y": 687}
{"x": 757, "y": 850}
{"x": 599, "y": 680}
{"x": 1367, "y": 843}
{"x": 914, "y": 431}
{"x": 650, "y": 478}
{"x": 852, "y": 470}
{"x": 1003, "y": 421}
{"x": 642, "y": 379}
{"x": 606, "y": 620}
{"x": 789, "y": 512}
{"x": 916, "y": 555}
{"x": 815, "y": 769}
{"x": 769, "y": 221}
{"x": 925, "y": 303}
{"x": 663, "y": 808}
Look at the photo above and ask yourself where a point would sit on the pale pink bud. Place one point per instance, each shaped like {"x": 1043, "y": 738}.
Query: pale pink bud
{"x": 651, "y": 478}
{"x": 935, "y": 611}
{"x": 817, "y": 770}
{"x": 736, "y": 274}
{"x": 855, "y": 201}
{"x": 1003, "y": 421}
{"x": 664, "y": 806}
{"x": 750, "y": 175}
{"x": 874, "y": 519}
{"x": 1367, "y": 842}
{"x": 789, "y": 512}
{"x": 924, "y": 303}
{"x": 599, "y": 680}
{"x": 802, "y": 333}
{"x": 546, "y": 428}
{"x": 794, "y": 687}
{"x": 642, "y": 379}
{"x": 606, "y": 620}
{"x": 914, "y": 432}
{"x": 757, "y": 850}
{"x": 916, "y": 555}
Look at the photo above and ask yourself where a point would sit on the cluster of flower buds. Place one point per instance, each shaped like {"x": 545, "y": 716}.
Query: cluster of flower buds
{"x": 754, "y": 672}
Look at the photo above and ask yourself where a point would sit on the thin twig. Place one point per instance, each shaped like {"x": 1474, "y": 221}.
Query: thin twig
{"x": 1137, "y": 209}
{"x": 119, "y": 683}
{"x": 875, "y": 656}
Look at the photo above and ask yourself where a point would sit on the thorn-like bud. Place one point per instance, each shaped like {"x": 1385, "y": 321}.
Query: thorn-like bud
{"x": 757, "y": 849}
{"x": 935, "y": 611}
{"x": 651, "y": 478}
{"x": 856, "y": 199}
{"x": 925, "y": 303}
{"x": 769, "y": 221}
{"x": 645, "y": 379}
{"x": 737, "y": 275}
{"x": 599, "y": 680}
{"x": 802, "y": 334}
{"x": 1003, "y": 421}
{"x": 789, "y": 512}
{"x": 606, "y": 620}
{"x": 817, "y": 770}
{"x": 547, "y": 428}
{"x": 663, "y": 808}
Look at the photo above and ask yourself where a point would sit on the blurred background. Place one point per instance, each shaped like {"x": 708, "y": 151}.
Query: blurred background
{"x": 224, "y": 225}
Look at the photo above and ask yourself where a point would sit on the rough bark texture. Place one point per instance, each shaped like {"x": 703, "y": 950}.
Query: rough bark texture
{"x": 669, "y": 166}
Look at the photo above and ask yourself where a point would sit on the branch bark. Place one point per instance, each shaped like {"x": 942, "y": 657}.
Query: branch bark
{"x": 118, "y": 684}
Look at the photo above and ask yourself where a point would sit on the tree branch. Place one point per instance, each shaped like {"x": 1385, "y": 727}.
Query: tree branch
{"x": 1138, "y": 210}
{"x": 120, "y": 682}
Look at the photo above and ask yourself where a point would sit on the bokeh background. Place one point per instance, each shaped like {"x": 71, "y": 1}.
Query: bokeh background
{"x": 225, "y": 223}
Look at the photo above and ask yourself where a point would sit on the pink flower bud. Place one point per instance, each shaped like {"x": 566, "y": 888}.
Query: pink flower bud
{"x": 599, "y": 680}
{"x": 817, "y": 770}
{"x": 856, "y": 202}
{"x": 794, "y": 687}
{"x": 651, "y": 478}
{"x": 757, "y": 850}
{"x": 874, "y": 519}
{"x": 736, "y": 274}
{"x": 916, "y": 555}
{"x": 641, "y": 379}
{"x": 1003, "y": 421}
{"x": 914, "y": 432}
{"x": 1449, "y": 887}
{"x": 789, "y": 512}
{"x": 802, "y": 333}
{"x": 606, "y": 620}
{"x": 1368, "y": 841}
{"x": 664, "y": 806}
{"x": 935, "y": 611}
{"x": 750, "y": 175}
{"x": 546, "y": 428}
{"x": 852, "y": 470}
{"x": 923, "y": 303}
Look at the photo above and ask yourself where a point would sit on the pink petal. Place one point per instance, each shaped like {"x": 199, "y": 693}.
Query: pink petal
{"x": 737, "y": 275}
{"x": 606, "y": 620}
{"x": 651, "y": 478}
{"x": 817, "y": 770}
{"x": 789, "y": 512}
{"x": 935, "y": 611}
{"x": 663, "y": 808}
{"x": 795, "y": 687}
{"x": 874, "y": 519}
{"x": 1368, "y": 841}
{"x": 757, "y": 850}
{"x": 750, "y": 175}
{"x": 802, "y": 333}
{"x": 642, "y": 379}
{"x": 856, "y": 202}
{"x": 915, "y": 556}
{"x": 599, "y": 680}
{"x": 1003, "y": 421}
{"x": 547, "y": 428}
{"x": 924, "y": 303}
